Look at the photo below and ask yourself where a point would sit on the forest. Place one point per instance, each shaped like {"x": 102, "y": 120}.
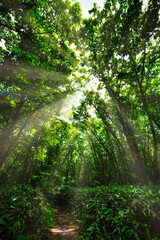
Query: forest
{"x": 80, "y": 118}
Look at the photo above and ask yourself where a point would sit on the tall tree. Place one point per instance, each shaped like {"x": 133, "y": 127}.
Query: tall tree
{"x": 35, "y": 63}
{"x": 122, "y": 41}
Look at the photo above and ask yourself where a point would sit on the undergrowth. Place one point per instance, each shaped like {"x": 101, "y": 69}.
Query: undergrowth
{"x": 24, "y": 213}
{"x": 118, "y": 212}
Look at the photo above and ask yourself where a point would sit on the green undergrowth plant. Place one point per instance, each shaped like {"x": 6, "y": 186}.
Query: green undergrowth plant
{"x": 24, "y": 213}
{"x": 61, "y": 196}
{"x": 118, "y": 212}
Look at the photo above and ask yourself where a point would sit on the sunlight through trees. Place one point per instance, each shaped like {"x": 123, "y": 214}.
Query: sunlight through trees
{"x": 79, "y": 115}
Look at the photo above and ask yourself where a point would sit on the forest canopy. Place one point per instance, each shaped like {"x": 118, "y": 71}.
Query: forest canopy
{"x": 117, "y": 46}
{"x": 119, "y": 129}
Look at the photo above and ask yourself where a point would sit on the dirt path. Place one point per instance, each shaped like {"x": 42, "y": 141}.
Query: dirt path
{"x": 65, "y": 228}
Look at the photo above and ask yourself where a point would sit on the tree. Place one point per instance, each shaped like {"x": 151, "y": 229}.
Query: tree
{"x": 122, "y": 41}
{"x": 36, "y": 62}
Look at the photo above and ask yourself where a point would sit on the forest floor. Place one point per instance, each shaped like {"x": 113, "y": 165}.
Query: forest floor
{"x": 65, "y": 226}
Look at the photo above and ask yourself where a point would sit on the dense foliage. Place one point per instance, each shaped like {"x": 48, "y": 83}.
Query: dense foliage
{"x": 24, "y": 213}
{"x": 35, "y": 65}
{"x": 112, "y": 139}
{"x": 118, "y": 212}
{"x": 122, "y": 42}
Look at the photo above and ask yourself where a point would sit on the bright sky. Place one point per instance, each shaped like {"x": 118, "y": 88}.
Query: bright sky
{"x": 88, "y": 4}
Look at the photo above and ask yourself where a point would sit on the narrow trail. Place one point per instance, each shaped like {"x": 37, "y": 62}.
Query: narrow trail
{"x": 65, "y": 226}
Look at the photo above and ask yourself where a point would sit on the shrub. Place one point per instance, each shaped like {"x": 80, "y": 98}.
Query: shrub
{"x": 24, "y": 213}
{"x": 59, "y": 195}
{"x": 119, "y": 212}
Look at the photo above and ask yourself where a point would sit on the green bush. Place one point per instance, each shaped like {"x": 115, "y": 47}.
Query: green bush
{"x": 24, "y": 213}
{"x": 119, "y": 212}
{"x": 59, "y": 195}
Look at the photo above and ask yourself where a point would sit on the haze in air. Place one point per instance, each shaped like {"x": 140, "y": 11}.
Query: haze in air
{"x": 94, "y": 174}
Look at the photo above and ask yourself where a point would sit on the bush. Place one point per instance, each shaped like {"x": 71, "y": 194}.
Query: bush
{"x": 24, "y": 213}
{"x": 119, "y": 212}
{"x": 59, "y": 195}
